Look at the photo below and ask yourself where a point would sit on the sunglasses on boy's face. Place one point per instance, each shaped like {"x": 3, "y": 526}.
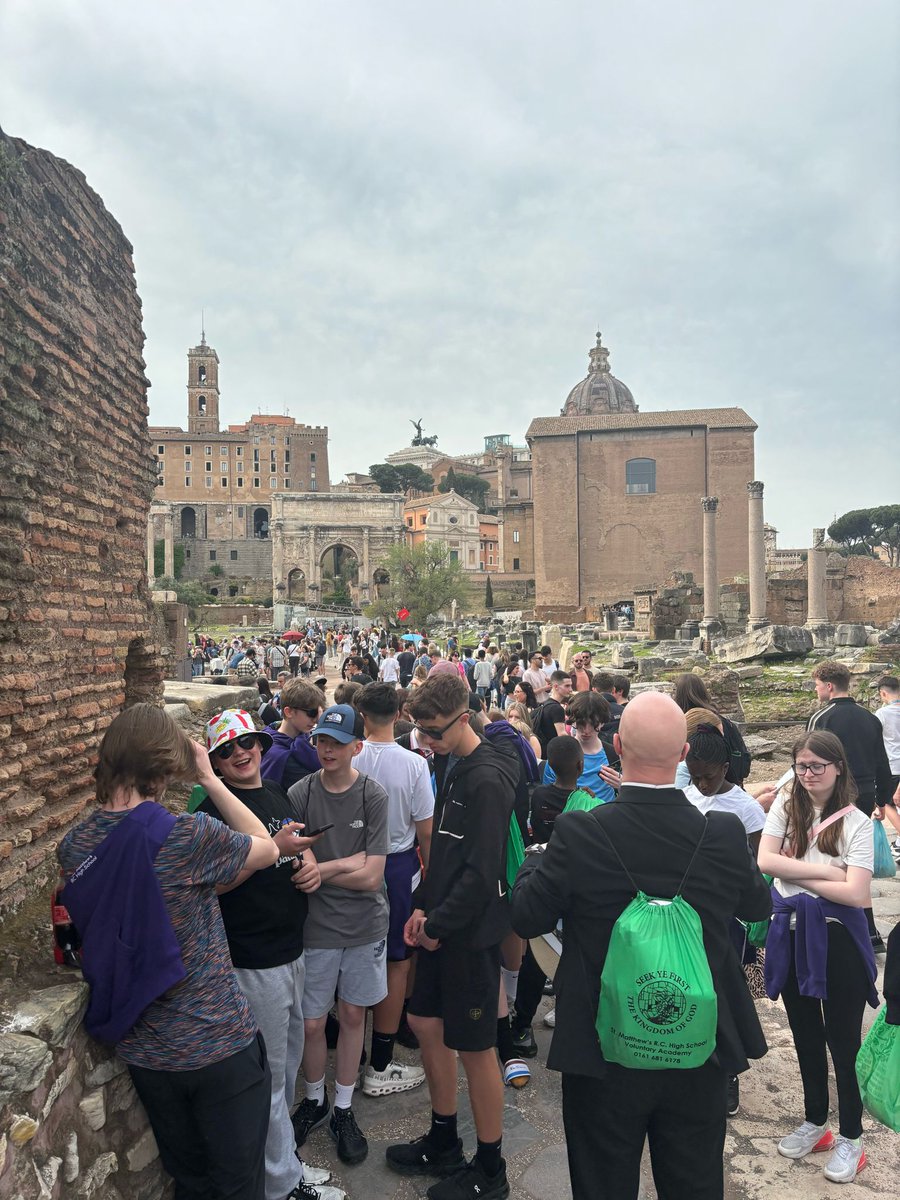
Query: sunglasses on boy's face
{"x": 246, "y": 742}
{"x": 436, "y": 734}
{"x": 312, "y": 713}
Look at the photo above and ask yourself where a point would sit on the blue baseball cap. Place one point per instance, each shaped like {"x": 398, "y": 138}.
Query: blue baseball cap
{"x": 341, "y": 722}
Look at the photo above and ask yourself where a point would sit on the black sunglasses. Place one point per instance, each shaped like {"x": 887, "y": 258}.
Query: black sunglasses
{"x": 437, "y": 734}
{"x": 246, "y": 742}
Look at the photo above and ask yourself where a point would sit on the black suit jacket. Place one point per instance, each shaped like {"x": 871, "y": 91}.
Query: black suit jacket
{"x": 579, "y": 879}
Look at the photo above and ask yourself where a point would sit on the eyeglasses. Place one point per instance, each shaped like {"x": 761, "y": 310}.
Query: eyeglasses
{"x": 246, "y": 742}
{"x": 813, "y": 768}
{"x": 437, "y": 734}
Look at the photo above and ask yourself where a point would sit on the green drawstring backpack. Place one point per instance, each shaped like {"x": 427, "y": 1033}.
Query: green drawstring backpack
{"x": 658, "y": 1005}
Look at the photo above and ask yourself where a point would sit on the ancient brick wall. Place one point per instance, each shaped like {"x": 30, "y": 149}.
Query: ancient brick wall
{"x": 857, "y": 590}
{"x": 76, "y": 479}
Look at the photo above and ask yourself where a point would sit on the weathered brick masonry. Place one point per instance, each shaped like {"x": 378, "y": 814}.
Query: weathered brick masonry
{"x": 76, "y": 480}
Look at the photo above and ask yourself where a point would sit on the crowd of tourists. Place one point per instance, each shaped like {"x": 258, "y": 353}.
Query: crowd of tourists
{"x": 458, "y": 822}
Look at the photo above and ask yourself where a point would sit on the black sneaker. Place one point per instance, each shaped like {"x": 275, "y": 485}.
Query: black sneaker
{"x": 524, "y": 1043}
{"x": 878, "y": 945}
{"x": 471, "y": 1183}
{"x": 419, "y": 1157}
{"x": 734, "y": 1097}
{"x": 352, "y": 1147}
{"x": 309, "y": 1116}
{"x": 549, "y": 989}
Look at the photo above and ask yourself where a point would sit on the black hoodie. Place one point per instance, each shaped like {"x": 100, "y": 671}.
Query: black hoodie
{"x": 464, "y": 892}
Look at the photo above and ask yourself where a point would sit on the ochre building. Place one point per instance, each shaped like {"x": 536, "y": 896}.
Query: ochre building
{"x": 617, "y": 493}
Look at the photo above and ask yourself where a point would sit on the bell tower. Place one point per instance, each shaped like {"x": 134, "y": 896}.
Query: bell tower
{"x": 203, "y": 388}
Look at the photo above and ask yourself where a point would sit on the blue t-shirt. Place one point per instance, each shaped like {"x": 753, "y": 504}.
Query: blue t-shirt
{"x": 589, "y": 777}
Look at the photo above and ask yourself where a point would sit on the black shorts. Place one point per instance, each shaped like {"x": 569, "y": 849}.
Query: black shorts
{"x": 462, "y": 988}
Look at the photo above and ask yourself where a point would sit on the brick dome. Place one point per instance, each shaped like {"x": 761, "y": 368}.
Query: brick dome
{"x": 599, "y": 392}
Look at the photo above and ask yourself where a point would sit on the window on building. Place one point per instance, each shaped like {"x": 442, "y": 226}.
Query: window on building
{"x": 256, "y": 441}
{"x": 223, "y": 464}
{"x": 516, "y": 536}
{"x": 201, "y": 406}
{"x": 201, "y": 374}
{"x": 187, "y": 468}
{"x": 233, "y": 555}
{"x": 515, "y": 564}
{"x": 272, "y": 440}
{"x": 240, "y": 482}
{"x": 472, "y": 557}
{"x": 287, "y": 483}
{"x": 481, "y": 566}
{"x": 491, "y": 560}
{"x": 187, "y": 554}
{"x": 208, "y": 480}
{"x": 273, "y": 481}
{"x": 514, "y": 491}
{"x": 207, "y": 450}
{"x": 239, "y": 451}
{"x": 409, "y": 522}
{"x": 233, "y": 589}
{"x": 272, "y": 455}
{"x": 187, "y": 452}
{"x": 313, "y": 486}
{"x": 160, "y": 449}
{"x": 209, "y": 466}
{"x": 287, "y": 457}
{"x": 423, "y": 519}
{"x": 224, "y": 481}
{"x": 640, "y": 476}
{"x": 256, "y": 482}
{"x": 223, "y": 450}
{"x": 212, "y": 556}
{"x": 287, "y": 440}
{"x": 187, "y": 481}
{"x": 454, "y": 556}
{"x": 256, "y": 456}
{"x": 312, "y": 456}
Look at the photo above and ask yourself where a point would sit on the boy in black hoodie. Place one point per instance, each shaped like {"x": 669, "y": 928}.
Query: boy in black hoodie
{"x": 461, "y": 919}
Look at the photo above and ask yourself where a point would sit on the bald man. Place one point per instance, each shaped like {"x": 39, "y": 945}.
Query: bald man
{"x": 608, "y": 1110}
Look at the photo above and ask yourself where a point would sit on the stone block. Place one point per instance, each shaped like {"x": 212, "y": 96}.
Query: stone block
{"x": 622, "y": 656}
{"x": 760, "y": 747}
{"x": 24, "y": 1062}
{"x": 93, "y": 1108}
{"x": 566, "y": 653}
{"x": 650, "y": 665}
{"x": 552, "y": 635}
{"x": 105, "y": 1070}
{"x": 60, "y": 1084}
{"x": 749, "y": 672}
{"x": 850, "y": 635}
{"x": 22, "y": 1130}
{"x": 658, "y": 685}
{"x": 143, "y": 1152}
{"x": 52, "y": 1014}
{"x": 97, "y": 1173}
{"x": 772, "y": 641}
{"x": 71, "y": 1164}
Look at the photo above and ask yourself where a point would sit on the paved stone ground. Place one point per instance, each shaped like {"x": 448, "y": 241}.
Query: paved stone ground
{"x": 534, "y": 1143}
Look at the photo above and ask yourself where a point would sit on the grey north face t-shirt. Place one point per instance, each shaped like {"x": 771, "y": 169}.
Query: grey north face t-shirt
{"x": 339, "y": 916}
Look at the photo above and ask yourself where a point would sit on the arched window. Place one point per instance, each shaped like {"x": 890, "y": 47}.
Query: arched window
{"x": 188, "y": 523}
{"x": 201, "y": 405}
{"x": 201, "y": 373}
{"x": 640, "y": 476}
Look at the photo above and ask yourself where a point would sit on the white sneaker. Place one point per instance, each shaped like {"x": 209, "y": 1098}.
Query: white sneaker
{"x": 315, "y": 1175}
{"x": 550, "y": 1019}
{"x": 317, "y": 1191}
{"x": 808, "y": 1139}
{"x": 847, "y": 1161}
{"x": 396, "y": 1077}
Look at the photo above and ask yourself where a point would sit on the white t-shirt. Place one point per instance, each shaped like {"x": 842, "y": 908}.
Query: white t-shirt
{"x": 389, "y": 672}
{"x": 406, "y": 779}
{"x": 889, "y": 716}
{"x": 735, "y": 800}
{"x": 856, "y": 845}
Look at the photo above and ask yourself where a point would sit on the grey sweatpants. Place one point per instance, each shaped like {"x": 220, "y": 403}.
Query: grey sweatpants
{"x": 275, "y": 996}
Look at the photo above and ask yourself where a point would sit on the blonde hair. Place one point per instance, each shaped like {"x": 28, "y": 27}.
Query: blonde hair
{"x": 143, "y": 749}
{"x": 518, "y": 712}
{"x": 701, "y": 716}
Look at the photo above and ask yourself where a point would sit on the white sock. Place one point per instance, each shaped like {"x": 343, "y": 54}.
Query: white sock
{"x": 315, "y": 1091}
{"x": 510, "y": 982}
{"x": 343, "y": 1094}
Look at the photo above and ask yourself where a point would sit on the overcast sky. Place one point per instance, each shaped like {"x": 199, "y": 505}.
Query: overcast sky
{"x": 393, "y": 210}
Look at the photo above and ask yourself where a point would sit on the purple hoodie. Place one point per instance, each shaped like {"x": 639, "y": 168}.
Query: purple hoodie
{"x": 288, "y": 759}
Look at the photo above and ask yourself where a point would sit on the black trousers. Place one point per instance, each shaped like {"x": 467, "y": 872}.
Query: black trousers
{"x": 211, "y": 1124}
{"x": 680, "y": 1113}
{"x": 529, "y": 990}
{"x": 833, "y": 1025}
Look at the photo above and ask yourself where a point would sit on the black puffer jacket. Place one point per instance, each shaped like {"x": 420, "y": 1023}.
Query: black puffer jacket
{"x": 464, "y": 892}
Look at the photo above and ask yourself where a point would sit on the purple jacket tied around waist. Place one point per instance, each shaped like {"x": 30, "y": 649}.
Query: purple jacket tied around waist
{"x": 130, "y": 954}
{"x": 811, "y": 943}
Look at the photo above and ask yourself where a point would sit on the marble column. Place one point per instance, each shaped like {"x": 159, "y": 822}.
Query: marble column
{"x": 151, "y": 549}
{"x": 312, "y": 574}
{"x": 365, "y": 578}
{"x": 278, "y": 556}
{"x": 817, "y": 606}
{"x": 710, "y": 506}
{"x": 757, "y": 548}
{"x": 169, "y": 544}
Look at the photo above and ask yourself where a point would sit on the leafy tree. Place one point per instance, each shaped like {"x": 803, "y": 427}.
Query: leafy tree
{"x": 217, "y": 570}
{"x": 488, "y": 595}
{"x": 401, "y": 477}
{"x": 471, "y": 487}
{"x": 854, "y": 531}
{"x": 886, "y": 525}
{"x": 187, "y": 591}
{"x": 424, "y": 579}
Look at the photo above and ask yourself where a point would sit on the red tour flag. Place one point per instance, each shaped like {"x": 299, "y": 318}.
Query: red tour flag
{"x": 402, "y": 614}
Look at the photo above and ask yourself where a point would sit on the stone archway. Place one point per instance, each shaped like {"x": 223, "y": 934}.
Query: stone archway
{"x": 260, "y": 522}
{"x": 188, "y": 522}
{"x": 339, "y": 572}
{"x": 296, "y": 584}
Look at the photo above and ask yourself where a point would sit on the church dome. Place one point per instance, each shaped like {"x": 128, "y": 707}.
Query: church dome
{"x": 599, "y": 392}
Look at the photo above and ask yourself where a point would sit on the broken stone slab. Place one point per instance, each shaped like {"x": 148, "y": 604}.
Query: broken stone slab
{"x": 749, "y": 672}
{"x": 650, "y": 665}
{"x": 24, "y": 1062}
{"x": 658, "y": 685}
{"x": 52, "y": 1014}
{"x": 760, "y": 747}
{"x": 203, "y": 700}
{"x": 772, "y": 641}
{"x": 850, "y": 635}
{"x": 622, "y": 655}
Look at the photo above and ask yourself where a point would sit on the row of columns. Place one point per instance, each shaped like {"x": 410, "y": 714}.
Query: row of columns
{"x": 817, "y": 610}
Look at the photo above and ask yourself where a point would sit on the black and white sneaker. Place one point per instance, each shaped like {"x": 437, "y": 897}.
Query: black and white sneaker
{"x": 308, "y": 1115}
{"x": 471, "y": 1183}
{"x": 352, "y": 1146}
{"x": 420, "y": 1157}
{"x": 734, "y": 1097}
{"x": 523, "y": 1042}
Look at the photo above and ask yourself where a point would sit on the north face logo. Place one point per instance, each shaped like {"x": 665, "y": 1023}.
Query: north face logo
{"x": 357, "y": 824}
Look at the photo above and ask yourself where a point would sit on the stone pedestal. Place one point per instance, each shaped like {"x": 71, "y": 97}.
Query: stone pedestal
{"x": 757, "y": 549}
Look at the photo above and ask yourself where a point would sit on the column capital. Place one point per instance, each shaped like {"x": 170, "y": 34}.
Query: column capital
{"x": 755, "y": 489}
{"x": 818, "y": 538}
{"x": 710, "y": 503}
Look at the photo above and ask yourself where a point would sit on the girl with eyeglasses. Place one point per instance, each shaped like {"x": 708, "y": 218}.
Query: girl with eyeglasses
{"x": 818, "y": 847}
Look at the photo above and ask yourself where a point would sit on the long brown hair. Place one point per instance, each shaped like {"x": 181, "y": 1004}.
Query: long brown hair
{"x": 799, "y": 806}
{"x": 143, "y": 749}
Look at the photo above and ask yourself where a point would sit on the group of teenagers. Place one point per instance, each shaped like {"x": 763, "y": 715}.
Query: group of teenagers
{"x": 396, "y": 852}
